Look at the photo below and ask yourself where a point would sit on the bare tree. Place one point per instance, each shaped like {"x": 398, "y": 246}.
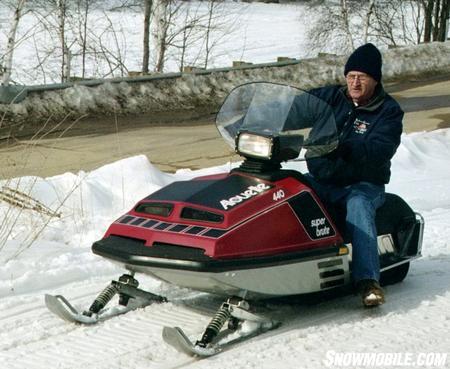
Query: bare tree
{"x": 220, "y": 23}
{"x": 428, "y": 6}
{"x": 83, "y": 8}
{"x": 18, "y": 8}
{"x": 386, "y": 22}
{"x": 417, "y": 19}
{"x": 333, "y": 30}
{"x": 61, "y": 6}
{"x": 369, "y": 13}
{"x": 53, "y": 17}
{"x": 189, "y": 34}
{"x": 146, "y": 45}
{"x": 441, "y": 34}
{"x": 346, "y": 23}
{"x": 164, "y": 12}
{"x": 114, "y": 56}
{"x": 208, "y": 31}
{"x": 389, "y": 22}
{"x": 436, "y": 13}
{"x": 68, "y": 38}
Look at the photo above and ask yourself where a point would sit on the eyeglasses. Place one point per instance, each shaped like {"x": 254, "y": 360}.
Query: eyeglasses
{"x": 359, "y": 77}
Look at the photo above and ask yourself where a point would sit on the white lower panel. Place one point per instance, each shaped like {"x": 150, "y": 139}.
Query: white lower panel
{"x": 278, "y": 280}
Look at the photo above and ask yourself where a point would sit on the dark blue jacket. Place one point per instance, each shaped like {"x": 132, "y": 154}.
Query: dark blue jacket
{"x": 368, "y": 138}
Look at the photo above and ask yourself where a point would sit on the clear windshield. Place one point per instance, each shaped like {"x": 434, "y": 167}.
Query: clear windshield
{"x": 278, "y": 110}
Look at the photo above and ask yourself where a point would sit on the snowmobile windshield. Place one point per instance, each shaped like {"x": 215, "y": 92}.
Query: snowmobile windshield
{"x": 279, "y": 110}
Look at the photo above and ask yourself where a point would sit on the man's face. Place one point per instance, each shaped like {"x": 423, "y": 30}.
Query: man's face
{"x": 361, "y": 86}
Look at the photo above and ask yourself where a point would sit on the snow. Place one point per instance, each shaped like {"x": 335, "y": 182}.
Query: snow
{"x": 42, "y": 254}
{"x": 415, "y": 319}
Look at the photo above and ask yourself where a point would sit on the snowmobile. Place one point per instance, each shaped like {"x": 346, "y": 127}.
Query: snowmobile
{"x": 254, "y": 233}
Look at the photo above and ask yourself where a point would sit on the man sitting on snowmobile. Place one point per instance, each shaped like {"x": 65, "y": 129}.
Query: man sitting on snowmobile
{"x": 369, "y": 123}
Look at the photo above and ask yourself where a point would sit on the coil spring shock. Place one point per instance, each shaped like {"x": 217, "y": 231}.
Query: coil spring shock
{"x": 102, "y": 299}
{"x": 215, "y": 325}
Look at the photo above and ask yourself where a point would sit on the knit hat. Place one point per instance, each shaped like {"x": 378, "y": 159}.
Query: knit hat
{"x": 366, "y": 59}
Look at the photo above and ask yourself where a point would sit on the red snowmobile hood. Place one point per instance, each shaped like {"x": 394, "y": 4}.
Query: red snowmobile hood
{"x": 228, "y": 215}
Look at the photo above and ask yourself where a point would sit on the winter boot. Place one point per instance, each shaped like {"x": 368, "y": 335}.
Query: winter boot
{"x": 371, "y": 292}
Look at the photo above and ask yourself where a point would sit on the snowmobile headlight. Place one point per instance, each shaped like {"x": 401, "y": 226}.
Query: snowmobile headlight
{"x": 276, "y": 148}
{"x": 256, "y": 146}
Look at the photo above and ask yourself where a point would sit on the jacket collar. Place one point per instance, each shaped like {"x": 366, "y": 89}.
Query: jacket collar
{"x": 374, "y": 103}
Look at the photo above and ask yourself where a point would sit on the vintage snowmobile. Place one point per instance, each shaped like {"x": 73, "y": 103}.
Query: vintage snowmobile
{"x": 254, "y": 233}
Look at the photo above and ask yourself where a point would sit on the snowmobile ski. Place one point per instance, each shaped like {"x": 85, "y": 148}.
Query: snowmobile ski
{"x": 175, "y": 337}
{"x": 125, "y": 287}
{"x": 59, "y": 306}
{"x": 236, "y": 312}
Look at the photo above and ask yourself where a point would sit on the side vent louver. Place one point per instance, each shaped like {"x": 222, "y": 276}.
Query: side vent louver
{"x": 202, "y": 215}
{"x": 153, "y": 208}
{"x": 331, "y": 273}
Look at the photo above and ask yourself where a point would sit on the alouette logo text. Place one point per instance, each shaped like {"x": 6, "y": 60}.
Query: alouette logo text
{"x": 247, "y": 194}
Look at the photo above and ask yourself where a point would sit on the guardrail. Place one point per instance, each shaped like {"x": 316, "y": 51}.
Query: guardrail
{"x": 17, "y": 93}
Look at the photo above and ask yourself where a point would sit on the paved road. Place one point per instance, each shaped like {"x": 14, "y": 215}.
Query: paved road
{"x": 172, "y": 142}
{"x": 426, "y": 103}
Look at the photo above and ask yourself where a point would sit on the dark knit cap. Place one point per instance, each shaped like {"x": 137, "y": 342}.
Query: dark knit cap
{"x": 366, "y": 59}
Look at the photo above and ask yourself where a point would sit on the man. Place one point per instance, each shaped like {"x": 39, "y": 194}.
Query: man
{"x": 369, "y": 123}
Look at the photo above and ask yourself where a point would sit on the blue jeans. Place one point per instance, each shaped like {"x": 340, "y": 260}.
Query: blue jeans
{"x": 361, "y": 201}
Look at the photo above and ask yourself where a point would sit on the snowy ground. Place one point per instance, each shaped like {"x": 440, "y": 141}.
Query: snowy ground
{"x": 414, "y": 321}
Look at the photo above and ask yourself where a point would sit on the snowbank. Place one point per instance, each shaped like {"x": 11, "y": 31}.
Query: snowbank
{"x": 204, "y": 91}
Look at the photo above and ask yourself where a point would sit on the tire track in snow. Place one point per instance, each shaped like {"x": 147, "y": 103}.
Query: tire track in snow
{"x": 133, "y": 335}
{"x": 32, "y": 337}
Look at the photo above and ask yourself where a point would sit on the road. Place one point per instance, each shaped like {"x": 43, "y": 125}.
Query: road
{"x": 172, "y": 142}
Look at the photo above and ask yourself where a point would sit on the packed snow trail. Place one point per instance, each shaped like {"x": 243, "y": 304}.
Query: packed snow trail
{"x": 415, "y": 319}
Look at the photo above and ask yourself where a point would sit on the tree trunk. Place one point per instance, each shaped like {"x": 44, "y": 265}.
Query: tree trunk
{"x": 146, "y": 47}
{"x": 184, "y": 43}
{"x": 84, "y": 38}
{"x": 346, "y": 23}
{"x": 437, "y": 8}
{"x": 159, "y": 32}
{"x": 62, "y": 38}
{"x": 162, "y": 51}
{"x": 443, "y": 21}
{"x": 428, "y": 6}
{"x": 6, "y": 78}
{"x": 418, "y": 15}
{"x": 208, "y": 33}
{"x": 367, "y": 20}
